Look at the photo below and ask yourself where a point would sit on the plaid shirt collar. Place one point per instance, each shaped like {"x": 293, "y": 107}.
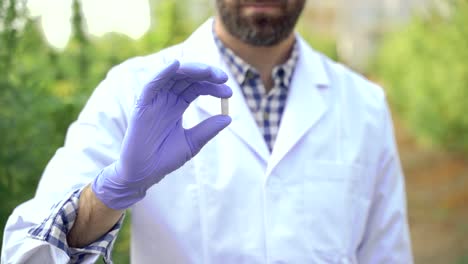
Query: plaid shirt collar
{"x": 243, "y": 71}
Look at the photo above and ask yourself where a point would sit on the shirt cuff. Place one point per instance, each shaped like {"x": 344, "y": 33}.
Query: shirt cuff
{"x": 55, "y": 228}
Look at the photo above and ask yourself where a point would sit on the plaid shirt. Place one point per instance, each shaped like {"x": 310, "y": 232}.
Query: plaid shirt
{"x": 267, "y": 108}
{"x": 55, "y": 228}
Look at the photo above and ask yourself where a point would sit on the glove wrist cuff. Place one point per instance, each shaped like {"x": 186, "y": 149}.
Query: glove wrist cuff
{"x": 114, "y": 194}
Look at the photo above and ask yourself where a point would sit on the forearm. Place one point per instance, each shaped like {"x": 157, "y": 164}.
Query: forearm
{"x": 94, "y": 219}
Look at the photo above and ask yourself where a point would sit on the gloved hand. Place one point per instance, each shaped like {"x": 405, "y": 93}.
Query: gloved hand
{"x": 155, "y": 143}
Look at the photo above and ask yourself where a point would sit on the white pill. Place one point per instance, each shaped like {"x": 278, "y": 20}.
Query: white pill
{"x": 224, "y": 106}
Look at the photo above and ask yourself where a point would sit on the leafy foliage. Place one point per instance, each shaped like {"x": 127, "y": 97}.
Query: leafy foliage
{"x": 24, "y": 99}
{"x": 425, "y": 67}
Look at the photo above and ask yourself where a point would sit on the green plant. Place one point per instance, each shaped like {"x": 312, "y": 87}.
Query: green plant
{"x": 24, "y": 99}
{"x": 425, "y": 69}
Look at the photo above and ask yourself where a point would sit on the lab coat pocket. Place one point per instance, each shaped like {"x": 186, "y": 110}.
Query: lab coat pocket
{"x": 335, "y": 206}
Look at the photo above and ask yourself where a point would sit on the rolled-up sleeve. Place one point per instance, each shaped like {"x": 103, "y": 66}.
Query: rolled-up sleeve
{"x": 47, "y": 241}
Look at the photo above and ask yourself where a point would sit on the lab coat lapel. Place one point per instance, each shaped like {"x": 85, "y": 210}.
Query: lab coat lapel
{"x": 305, "y": 104}
{"x": 200, "y": 47}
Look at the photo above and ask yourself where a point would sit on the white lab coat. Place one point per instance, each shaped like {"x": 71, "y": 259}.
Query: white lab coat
{"x": 332, "y": 190}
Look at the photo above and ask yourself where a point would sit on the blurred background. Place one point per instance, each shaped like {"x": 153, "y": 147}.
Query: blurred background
{"x": 53, "y": 53}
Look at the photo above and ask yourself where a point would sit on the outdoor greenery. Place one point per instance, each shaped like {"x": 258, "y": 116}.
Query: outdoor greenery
{"x": 424, "y": 65}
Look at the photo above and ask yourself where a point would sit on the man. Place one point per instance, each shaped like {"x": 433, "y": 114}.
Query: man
{"x": 307, "y": 172}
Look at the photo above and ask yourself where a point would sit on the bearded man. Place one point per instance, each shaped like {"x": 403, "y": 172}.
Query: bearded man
{"x": 303, "y": 169}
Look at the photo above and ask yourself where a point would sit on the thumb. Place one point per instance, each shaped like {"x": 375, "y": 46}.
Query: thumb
{"x": 200, "y": 134}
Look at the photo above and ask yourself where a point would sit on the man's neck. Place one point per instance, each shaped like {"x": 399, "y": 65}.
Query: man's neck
{"x": 263, "y": 59}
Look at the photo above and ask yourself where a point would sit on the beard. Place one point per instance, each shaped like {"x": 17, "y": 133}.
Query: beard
{"x": 260, "y": 29}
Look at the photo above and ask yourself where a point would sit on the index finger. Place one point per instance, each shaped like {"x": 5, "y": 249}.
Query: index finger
{"x": 206, "y": 88}
{"x": 193, "y": 72}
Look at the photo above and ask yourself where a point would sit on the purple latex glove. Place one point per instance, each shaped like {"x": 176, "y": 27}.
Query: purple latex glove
{"x": 155, "y": 143}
